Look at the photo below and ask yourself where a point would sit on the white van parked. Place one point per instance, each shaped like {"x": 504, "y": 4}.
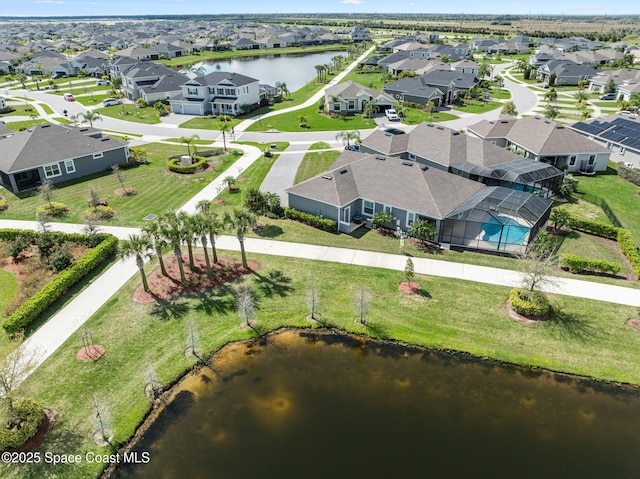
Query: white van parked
{"x": 110, "y": 102}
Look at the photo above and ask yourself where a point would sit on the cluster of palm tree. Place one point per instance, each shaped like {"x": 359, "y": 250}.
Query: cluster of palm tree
{"x": 281, "y": 87}
{"x": 178, "y": 229}
{"x": 321, "y": 72}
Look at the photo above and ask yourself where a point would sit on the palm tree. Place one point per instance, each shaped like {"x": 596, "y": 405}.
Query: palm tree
{"x": 172, "y": 232}
{"x": 284, "y": 89}
{"x": 225, "y": 126}
{"x": 214, "y": 225}
{"x": 137, "y": 246}
{"x": 229, "y": 181}
{"x": 91, "y": 116}
{"x": 200, "y": 228}
{"x": 368, "y": 109}
{"x": 347, "y": 136}
{"x": 318, "y": 68}
{"x": 186, "y": 224}
{"x": 302, "y": 121}
{"x": 241, "y": 221}
{"x": 153, "y": 230}
{"x": 551, "y": 95}
{"x": 189, "y": 140}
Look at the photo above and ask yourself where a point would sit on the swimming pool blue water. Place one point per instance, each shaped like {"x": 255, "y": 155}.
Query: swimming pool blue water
{"x": 512, "y": 232}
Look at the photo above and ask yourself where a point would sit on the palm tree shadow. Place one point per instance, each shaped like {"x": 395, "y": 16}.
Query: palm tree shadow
{"x": 166, "y": 309}
{"x": 377, "y": 330}
{"x": 214, "y": 301}
{"x": 274, "y": 283}
{"x": 566, "y": 325}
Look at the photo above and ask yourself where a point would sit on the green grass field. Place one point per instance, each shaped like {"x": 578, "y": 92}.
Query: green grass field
{"x": 21, "y": 110}
{"x": 201, "y": 123}
{"x": 314, "y": 163}
{"x": 130, "y": 112}
{"x": 23, "y": 125}
{"x": 157, "y": 190}
{"x": 9, "y": 290}
{"x": 582, "y": 337}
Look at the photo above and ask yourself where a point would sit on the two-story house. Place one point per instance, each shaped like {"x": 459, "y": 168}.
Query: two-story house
{"x": 227, "y": 93}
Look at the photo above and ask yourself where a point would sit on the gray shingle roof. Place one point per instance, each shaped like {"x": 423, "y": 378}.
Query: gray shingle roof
{"x": 214, "y": 78}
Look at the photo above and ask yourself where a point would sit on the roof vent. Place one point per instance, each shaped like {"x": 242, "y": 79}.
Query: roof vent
{"x": 430, "y": 125}
{"x": 46, "y": 125}
{"x": 388, "y": 134}
{"x": 381, "y": 158}
{"x": 327, "y": 177}
{"x": 440, "y": 127}
{"x": 407, "y": 163}
{"x": 547, "y": 122}
{"x": 504, "y": 121}
{"x": 455, "y": 133}
{"x": 424, "y": 167}
{"x": 343, "y": 171}
{"x": 84, "y": 129}
{"x": 559, "y": 127}
{"x": 104, "y": 139}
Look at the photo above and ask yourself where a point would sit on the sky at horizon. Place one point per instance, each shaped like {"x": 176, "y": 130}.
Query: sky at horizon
{"x": 202, "y": 7}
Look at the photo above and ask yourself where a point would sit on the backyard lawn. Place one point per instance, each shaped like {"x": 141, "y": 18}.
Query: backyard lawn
{"x": 157, "y": 190}
{"x": 314, "y": 163}
{"x": 315, "y": 122}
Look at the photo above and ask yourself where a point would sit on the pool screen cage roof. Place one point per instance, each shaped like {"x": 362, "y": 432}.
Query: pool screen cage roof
{"x": 523, "y": 171}
{"x": 493, "y": 201}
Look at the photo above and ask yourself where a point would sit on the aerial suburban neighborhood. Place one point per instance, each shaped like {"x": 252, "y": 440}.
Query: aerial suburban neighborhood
{"x": 224, "y": 235}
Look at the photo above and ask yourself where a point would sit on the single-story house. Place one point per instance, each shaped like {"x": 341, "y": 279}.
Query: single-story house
{"x": 351, "y": 97}
{"x": 57, "y": 153}
{"x": 443, "y": 148}
{"x": 543, "y": 140}
{"x": 439, "y": 86}
{"x": 466, "y": 213}
{"x": 599, "y": 83}
{"x": 619, "y": 134}
{"x": 226, "y": 93}
{"x": 567, "y": 72}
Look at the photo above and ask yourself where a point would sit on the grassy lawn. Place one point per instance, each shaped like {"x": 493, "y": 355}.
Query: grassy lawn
{"x": 157, "y": 190}
{"x": 619, "y": 194}
{"x": 22, "y": 110}
{"x": 315, "y": 122}
{"x": 500, "y": 94}
{"x": 47, "y": 109}
{"x": 91, "y": 100}
{"x": 370, "y": 79}
{"x": 201, "y": 123}
{"x": 606, "y": 104}
{"x": 582, "y": 336}
{"x": 314, "y": 163}
{"x": 478, "y": 107}
{"x": 23, "y": 125}
{"x": 590, "y": 247}
{"x": 321, "y": 145}
{"x": 413, "y": 116}
{"x": 586, "y": 210}
{"x": 253, "y": 177}
{"x": 9, "y": 290}
{"x": 194, "y": 142}
{"x": 83, "y": 89}
{"x": 130, "y": 112}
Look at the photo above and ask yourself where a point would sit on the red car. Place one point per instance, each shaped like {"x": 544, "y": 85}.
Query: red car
{"x": 69, "y": 97}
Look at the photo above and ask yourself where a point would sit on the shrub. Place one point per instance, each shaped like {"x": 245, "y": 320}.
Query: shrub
{"x": 44, "y": 298}
{"x": 255, "y": 201}
{"x": 61, "y": 260}
{"x": 54, "y": 208}
{"x": 100, "y": 212}
{"x": 176, "y": 167}
{"x": 203, "y": 153}
{"x": 32, "y": 414}
{"x": 18, "y": 245}
{"x": 593, "y": 227}
{"x": 324, "y": 224}
{"x": 575, "y": 264}
{"x": 632, "y": 175}
{"x": 630, "y": 250}
{"x": 537, "y": 307}
{"x": 45, "y": 245}
{"x": 4, "y": 204}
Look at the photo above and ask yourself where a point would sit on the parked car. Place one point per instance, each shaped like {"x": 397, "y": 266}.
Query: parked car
{"x": 392, "y": 114}
{"x": 352, "y": 147}
{"x": 394, "y": 131}
{"x": 110, "y": 102}
{"x": 68, "y": 97}
{"x": 608, "y": 96}
{"x": 102, "y": 82}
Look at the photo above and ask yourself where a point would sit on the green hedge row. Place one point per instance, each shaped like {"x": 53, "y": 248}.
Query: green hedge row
{"x": 324, "y": 224}
{"x": 176, "y": 167}
{"x": 9, "y": 234}
{"x": 54, "y": 208}
{"x": 575, "y": 264}
{"x": 538, "y": 307}
{"x": 44, "y": 298}
{"x": 204, "y": 153}
{"x": 32, "y": 414}
{"x": 593, "y": 227}
{"x": 632, "y": 175}
{"x": 630, "y": 250}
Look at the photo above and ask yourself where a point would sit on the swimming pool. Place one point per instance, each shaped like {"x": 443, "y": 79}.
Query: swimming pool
{"x": 504, "y": 230}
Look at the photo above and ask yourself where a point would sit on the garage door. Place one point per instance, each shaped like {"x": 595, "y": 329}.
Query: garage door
{"x": 191, "y": 108}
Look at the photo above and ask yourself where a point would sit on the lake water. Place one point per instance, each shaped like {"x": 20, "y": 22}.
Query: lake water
{"x": 296, "y": 70}
{"x": 306, "y": 405}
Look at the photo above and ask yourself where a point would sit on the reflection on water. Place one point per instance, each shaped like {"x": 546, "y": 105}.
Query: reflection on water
{"x": 307, "y": 405}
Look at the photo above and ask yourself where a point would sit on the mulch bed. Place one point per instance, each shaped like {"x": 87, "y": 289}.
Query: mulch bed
{"x": 165, "y": 287}
{"x": 524, "y": 319}
{"x": 44, "y": 429}
{"x": 90, "y": 353}
{"x": 409, "y": 287}
{"x": 219, "y": 202}
{"x": 634, "y": 323}
{"x": 124, "y": 191}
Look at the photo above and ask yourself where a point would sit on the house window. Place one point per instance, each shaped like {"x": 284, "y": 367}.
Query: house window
{"x": 192, "y": 91}
{"x": 572, "y": 160}
{"x": 367, "y": 207}
{"x": 412, "y": 157}
{"x": 98, "y": 155}
{"x": 411, "y": 218}
{"x": 52, "y": 170}
{"x": 230, "y": 91}
{"x": 212, "y": 90}
{"x": 70, "y": 166}
{"x": 592, "y": 159}
{"x": 622, "y": 150}
{"x": 336, "y": 106}
{"x": 220, "y": 91}
{"x": 352, "y": 104}
{"x": 387, "y": 209}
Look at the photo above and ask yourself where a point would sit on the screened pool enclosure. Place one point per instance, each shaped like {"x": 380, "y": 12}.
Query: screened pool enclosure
{"x": 496, "y": 219}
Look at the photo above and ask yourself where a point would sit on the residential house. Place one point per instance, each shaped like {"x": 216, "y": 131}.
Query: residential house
{"x": 464, "y": 155}
{"x": 467, "y": 214}
{"x": 628, "y": 89}
{"x": 246, "y": 44}
{"x": 359, "y": 34}
{"x": 56, "y": 153}
{"x": 599, "y": 83}
{"x": 137, "y": 53}
{"x": 545, "y": 141}
{"x": 152, "y": 82}
{"x": 5, "y": 67}
{"x": 166, "y": 50}
{"x": 566, "y": 72}
{"x": 439, "y": 86}
{"x": 227, "y": 93}
{"x": 351, "y": 97}
{"x": 619, "y": 134}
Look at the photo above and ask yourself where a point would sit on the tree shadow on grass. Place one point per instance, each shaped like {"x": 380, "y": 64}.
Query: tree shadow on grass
{"x": 274, "y": 283}
{"x": 269, "y": 231}
{"x": 166, "y": 310}
{"x": 566, "y": 325}
{"x": 377, "y": 330}
{"x": 219, "y": 301}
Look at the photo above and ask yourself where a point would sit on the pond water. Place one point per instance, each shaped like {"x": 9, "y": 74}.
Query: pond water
{"x": 309, "y": 405}
{"x": 295, "y": 69}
